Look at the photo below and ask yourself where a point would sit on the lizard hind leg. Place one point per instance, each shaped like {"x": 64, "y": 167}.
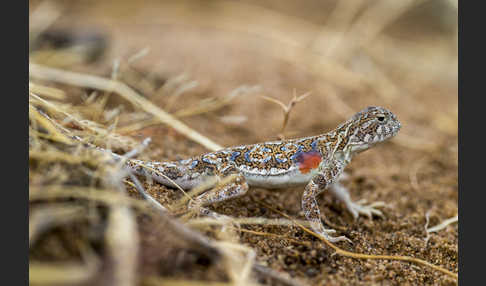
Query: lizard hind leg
{"x": 355, "y": 208}
{"x": 236, "y": 187}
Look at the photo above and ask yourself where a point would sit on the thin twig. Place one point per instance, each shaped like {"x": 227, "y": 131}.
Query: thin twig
{"x": 138, "y": 186}
{"x": 287, "y": 108}
{"x": 246, "y": 221}
{"x": 214, "y": 104}
{"x": 427, "y": 218}
{"x": 413, "y": 174}
{"x": 365, "y": 256}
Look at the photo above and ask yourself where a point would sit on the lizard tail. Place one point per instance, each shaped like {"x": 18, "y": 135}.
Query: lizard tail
{"x": 171, "y": 174}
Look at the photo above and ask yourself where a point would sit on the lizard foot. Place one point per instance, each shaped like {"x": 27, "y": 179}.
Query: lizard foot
{"x": 335, "y": 239}
{"x": 359, "y": 208}
{"x": 326, "y": 234}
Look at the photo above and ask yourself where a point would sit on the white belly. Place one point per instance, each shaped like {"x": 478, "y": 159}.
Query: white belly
{"x": 286, "y": 180}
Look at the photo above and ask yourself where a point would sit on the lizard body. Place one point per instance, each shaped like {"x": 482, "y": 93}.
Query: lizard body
{"x": 316, "y": 162}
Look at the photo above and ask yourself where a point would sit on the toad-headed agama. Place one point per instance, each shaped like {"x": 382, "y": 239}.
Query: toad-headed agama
{"x": 316, "y": 162}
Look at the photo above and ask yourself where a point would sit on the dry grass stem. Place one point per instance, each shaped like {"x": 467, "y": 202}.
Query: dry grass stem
{"x": 41, "y": 18}
{"x": 427, "y": 219}
{"x": 122, "y": 240}
{"x": 44, "y": 218}
{"x": 66, "y": 272}
{"x": 89, "y": 125}
{"x": 137, "y": 126}
{"x": 212, "y": 181}
{"x": 367, "y": 256}
{"x": 337, "y": 24}
{"x": 306, "y": 243}
{"x": 89, "y": 81}
{"x": 287, "y": 108}
{"x": 413, "y": 173}
{"x": 54, "y": 133}
{"x": 164, "y": 176}
{"x": 239, "y": 260}
{"x": 138, "y": 55}
{"x": 153, "y": 202}
{"x": 217, "y": 103}
{"x": 245, "y": 220}
{"x": 175, "y": 95}
{"x": 104, "y": 196}
{"x": 156, "y": 281}
{"x": 47, "y": 91}
{"x": 61, "y": 273}
{"x": 370, "y": 23}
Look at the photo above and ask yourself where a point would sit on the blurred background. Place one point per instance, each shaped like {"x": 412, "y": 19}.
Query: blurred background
{"x": 211, "y": 63}
{"x": 402, "y": 55}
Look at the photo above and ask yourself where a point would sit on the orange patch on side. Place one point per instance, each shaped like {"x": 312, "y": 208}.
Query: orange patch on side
{"x": 309, "y": 161}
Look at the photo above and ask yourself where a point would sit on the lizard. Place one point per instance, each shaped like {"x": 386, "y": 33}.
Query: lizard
{"x": 316, "y": 162}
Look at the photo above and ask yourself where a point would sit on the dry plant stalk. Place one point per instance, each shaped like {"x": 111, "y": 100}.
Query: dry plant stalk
{"x": 47, "y": 217}
{"x": 286, "y": 109}
{"x": 167, "y": 178}
{"x": 122, "y": 239}
{"x": 216, "y": 103}
{"x": 41, "y": 18}
{"x": 246, "y": 220}
{"x": 62, "y": 273}
{"x": 413, "y": 173}
{"x": 157, "y": 281}
{"x": 208, "y": 183}
{"x": 47, "y": 91}
{"x": 371, "y": 22}
{"x": 240, "y": 260}
{"x": 365, "y": 256}
{"x": 95, "y": 82}
{"x": 53, "y": 132}
{"x": 56, "y": 108}
{"x": 205, "y": 106}
{"x": 268, "y": 234}
{"x": 103, "y": 196}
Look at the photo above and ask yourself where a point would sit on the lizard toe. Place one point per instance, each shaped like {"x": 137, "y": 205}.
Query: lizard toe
{"x": 335, "y": 239}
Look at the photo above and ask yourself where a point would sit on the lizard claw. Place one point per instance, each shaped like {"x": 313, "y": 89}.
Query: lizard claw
{"x": 325, "y": 233}
{"x": 359, "y": 208}
{"x": 335, "y": 239}
{"x": 329, "y": 230}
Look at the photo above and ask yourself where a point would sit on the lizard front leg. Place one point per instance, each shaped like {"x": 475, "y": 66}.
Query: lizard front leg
{"x": 328, "y": 172}
{"x": 355, "y": 208}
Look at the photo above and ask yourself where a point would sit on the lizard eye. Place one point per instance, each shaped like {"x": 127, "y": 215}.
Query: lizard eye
{"x": 381, "y": 118}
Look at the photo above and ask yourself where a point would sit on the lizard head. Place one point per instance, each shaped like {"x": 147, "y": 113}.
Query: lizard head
{"x": 372, "y": 125}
